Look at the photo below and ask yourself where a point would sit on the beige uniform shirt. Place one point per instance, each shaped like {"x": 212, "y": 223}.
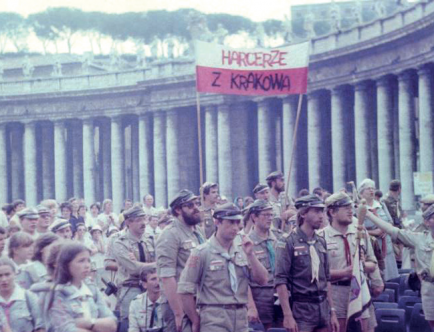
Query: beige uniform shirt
{"x": 208, "y": 222}
{"x": 423, "y": 244}
{"x": 336, "y": 246}
{"x": 208, "y": 267}
{"x": 261, "y": 251}
{"x": 123, "y": 251}
{"x": 173, "y": 248}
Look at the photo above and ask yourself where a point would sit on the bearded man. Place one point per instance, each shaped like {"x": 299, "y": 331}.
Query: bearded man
{"x": 173, "y": 250}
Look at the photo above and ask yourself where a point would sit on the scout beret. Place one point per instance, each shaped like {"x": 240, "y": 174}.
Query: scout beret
{"x": 428, "y": 199}
{"x": 43, "y": 209}
{"x": 259, "y": 187}
{"x": 274, "y": 175}
{"x": 259, "y": 205}
{"x": 134, "y": 212}
{"x": 182, "y": 197}
{"x": 337, "y": 200}
{"x": 208, "y": 185}
{"x": 428, "y": 213}
{"x": 309, "y": 201}
{"x": 59, "y": 224}
{"x": 98, "y": 228}
{"x": 28, "y": 213}
{"x": 366, "y": 183}
{"x": 228, "y": 211}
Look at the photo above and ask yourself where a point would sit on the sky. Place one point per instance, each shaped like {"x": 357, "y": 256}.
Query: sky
{"x": 253, "y": 9}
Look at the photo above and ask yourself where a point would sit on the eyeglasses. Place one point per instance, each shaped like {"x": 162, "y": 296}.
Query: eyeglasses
{"x": 192, "y": 204}
{"x": 267, "y": 215}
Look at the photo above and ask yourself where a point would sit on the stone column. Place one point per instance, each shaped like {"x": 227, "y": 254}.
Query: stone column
{"x": 3, "y": 165}
{"x": 224, "y": 151}
{"x": 17, "y": 162}
{"x": 426, "y": 123}
{"x": 266, "y": 140}
{"x": 289, "y": 114}
{"x": 47, "y": 151}
{"x": 60, "y": 160}
{"x": 338, "y": 138}
{"x": 406, "y": 140}
{"x": 385, "y": 134}
{"x": 117, "y": 163}
{"x": 172, "y": 137}
{"x": 135, "y": 161}
{"x": 30, "y": 174}
{"x": 314, "y": 139}
{"x": 160, "y": 170}
{"x": 145, "y": 154}
{"x": 361, "y": 132}
{"x": 89, "y": 161}
{"x": 211, "y": 149}
{"x": 77, "y": 158}
{"x": 105, "y": 144}
{"x": 241, "y": 153}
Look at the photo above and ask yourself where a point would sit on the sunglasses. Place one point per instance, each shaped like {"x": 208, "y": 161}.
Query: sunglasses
{"x": 191, "y": 205}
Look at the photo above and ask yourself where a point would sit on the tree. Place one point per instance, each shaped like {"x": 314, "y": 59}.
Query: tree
{"x": 12, "y": 26}
{"x": 58, "y": 24}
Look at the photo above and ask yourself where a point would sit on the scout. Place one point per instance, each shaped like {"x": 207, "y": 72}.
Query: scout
{"x": 341, "y": 239}
{"x": 423, "y": 244}
{"x": 173, "y": 249}
{"x": 220, "y": 270}
{"x": 264, "y": 245}
{"x": 276, "y": 183}
{"x": 145, "y": 309}
{"x": 210, "y": 197}
{"x": 302, "y": 268}
{"x": 132, "y": 253}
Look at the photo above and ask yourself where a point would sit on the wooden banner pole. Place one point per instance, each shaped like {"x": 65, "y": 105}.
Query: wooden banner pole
{"x": 199, "y": 136}
{"x": 294, "y": 143}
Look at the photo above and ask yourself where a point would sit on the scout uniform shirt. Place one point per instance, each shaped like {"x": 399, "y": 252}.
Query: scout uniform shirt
{"x": 336, "y": 247}
{"x": 129, "y": 269}
{"x": 70, "y": 303}
{"x": 395, "y": 210}
{"x": 423, "y": 244}
{"x": 173, "y": 248}
{"x": 278, "y": 208}
{"x": 22, "y": 310}
{"x": 144, "y": 314}
{"x": 207, "y": 272}
{"x": 293, "y": 263}
{"x": 265, "y": 251}
{"x": 208, "y": 221}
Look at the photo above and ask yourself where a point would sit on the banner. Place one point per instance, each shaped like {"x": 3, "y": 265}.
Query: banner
{"x": 423, "y": 183}
{"x": 360, "y": 297}
{"x": 252, "y": 72}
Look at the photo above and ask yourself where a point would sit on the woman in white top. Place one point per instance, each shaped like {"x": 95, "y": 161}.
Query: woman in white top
{"x": 99, "y": 255}
{"x": 19, "y": 306}
{"x": 107, "y": 218}
{"x": 74, "y": 305}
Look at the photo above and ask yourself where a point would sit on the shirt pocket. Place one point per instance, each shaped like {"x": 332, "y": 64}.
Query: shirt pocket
{"x": 21, "y": 318}
{"x": 76, "y": 309}
{"x": 141, "y": 319}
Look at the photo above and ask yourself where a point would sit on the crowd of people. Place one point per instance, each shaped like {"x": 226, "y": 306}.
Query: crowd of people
{"x": 206, "y": 264}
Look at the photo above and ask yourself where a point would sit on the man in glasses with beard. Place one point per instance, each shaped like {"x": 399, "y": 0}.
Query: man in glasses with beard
{"x": 172, "y": 251}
